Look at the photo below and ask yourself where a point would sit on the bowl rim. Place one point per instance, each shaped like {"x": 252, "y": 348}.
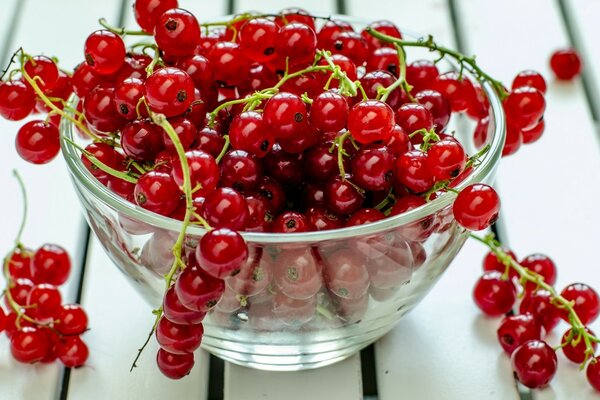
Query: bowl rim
{"x": 484, "y": 170}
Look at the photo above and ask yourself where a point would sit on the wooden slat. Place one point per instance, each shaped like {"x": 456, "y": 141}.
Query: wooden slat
{"x": 548, "y": 190}
{"x": 442, "y": 349}
{"x": 53, "y": 208}
{"x": 122, "y": 319}
{"x": 325, "y": 383}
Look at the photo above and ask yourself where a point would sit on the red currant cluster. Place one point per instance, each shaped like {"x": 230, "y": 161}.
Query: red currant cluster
{"x": 39, "y": 326}
{"x": 505, "y": 283}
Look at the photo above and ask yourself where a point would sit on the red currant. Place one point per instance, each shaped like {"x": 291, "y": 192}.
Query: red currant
{"x": 177, "y": 32}
{"x": 222, "y": 252}
{"x": 565, "y": 64}
{"x": 586, "y": 302}
{"x": 169, "y": 91}
{"x": 174, "y": 366}
{"x": 370, "y": 121}
{"x": 28, "y": 345}
{"x": 515, "y": 330}
{"x": 476, "y": 207}
{"x": 104, "y": 52}
{"x": 534, "y": 363}
{"x": 494, "y": 295}
{"x": 73, "y": 352}
{"x": 38, "y": 142}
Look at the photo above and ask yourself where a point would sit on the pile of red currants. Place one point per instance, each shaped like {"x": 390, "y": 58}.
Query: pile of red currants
{"x": 40, "y": 327}
{"x": 284, "y": 123}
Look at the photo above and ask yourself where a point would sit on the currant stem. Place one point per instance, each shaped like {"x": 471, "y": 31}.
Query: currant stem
{"x": 24, "y": 216}
{"x": 224, "y": 149}
{"x": 401, "y": 81}
{"x": 340, "y": 156}
{"x": 443, "y": 51}
{"x": 525, "y": 275}
{"x": 121, "y": 31}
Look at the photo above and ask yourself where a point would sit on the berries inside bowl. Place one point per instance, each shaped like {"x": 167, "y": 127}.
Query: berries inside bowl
{"x": 290, "y": 177}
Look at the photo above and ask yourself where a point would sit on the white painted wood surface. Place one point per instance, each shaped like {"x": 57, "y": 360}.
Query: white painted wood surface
{"x": 444, "y": 348}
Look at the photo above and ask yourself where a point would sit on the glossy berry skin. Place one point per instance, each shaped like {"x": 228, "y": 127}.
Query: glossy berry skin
{"x": 492, "y": 263}
{"x": 44, "y": 301}
{"x": 539, "y": 304}
{"x": 352, "y": 45}
{"x": 540, "y": 264}
{"x": 230, "y": 65}
{"x": 341, "y": 196}
{"x": 248, "y": 132}
{"x": 72, "y": 319}
{"x": 290, "y": 222}
{"x": 142, "y": 140}
{"x": 28, "y": 345}
{"x": 19, "y": 291}
{"x": 493, "y": 295}
{"x": 446, "y": 159}
{"x": 43, "y": 68}
{"x": 177, "y": 313}
{"x": 515, "y": 330}
{"x": 586, "y": 302}
{"x": 73, "y": 352}
{"x": 476, "y": 207}
{"x": 365, "y": 216}
{"x": 204, "y": 172}
{"x": 221, "y": 252}
{"x": 17, "y": 100}
{"x": 530, "y": 78}
{"x": 524, "y": 107}
{"x": 147, "y": 12}
{"x": 209, "y": 141}
{"x": 100, "y": 109}
{"x": 399, "y": 142}
{"x": 534, "y": 133}
{"x": 127, "y": 96}
{"x": 412, "y": 117}
{"x": 565, "y": 64}
{"x": 106, "y": 155}
{"x": 373, "y": 167}
{"x": 174, "y": 366}
{"x": 51, "y": 264}
{"x": 104, "y": 52}
{"x": 19, "y": 263}
{"x": 37, "y": 142}
{"x": 534, "y": 363}
{"x": 240, "y": 170}
{"x": 320, "y": 219}
{"x": 593, "y": 373}
{"x": 285, "y": 113}
{"x": 169, "y": 91}
{"x": 421, "y": 74}
{"x": 437, "y": 105}
{"x": 176, "y": 338}
{"x": 295, "y": 14}
{"x": 296, "y": 41}
{"x": 346, "y": 275}
{"x": 257, "y": 39}
{"x": 576, "y": 353}
{"x": 385, "y": 59}
{"x": 3, "y": 320}
{"x": 157, "y": 192}
{"x": 383, "y": 26}
{"x": 226, "y": 208}
{"x": 177, "y": 32}
{"x": 372, "y": 81}
{"x": 370, "y": 121}
{"x": 412, "y": 171}
{"x": 197, "y": 290}
{"x": 329, "y": 112}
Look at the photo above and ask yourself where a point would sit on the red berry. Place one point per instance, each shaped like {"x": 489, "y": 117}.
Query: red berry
{"x": 297, "y": 273}
{"x": 515, "y": 330}
{"x": 203, "y": 169}
{"x": 412, "y": 171}
{"x": 533, "y": 133}
{"x": 534, "y": 363}
{"x": 226, "y": 208}
{"x": 230, "y": 65}
{"x": 177, "y": 32}
{"x": 43, "y": 68}
{"x": 341, "y": 196}
{"x": 494, "y": 295}
{"x": 142, "y": 140}
{"x": 104, "y": 52}
{"x": 492, "y": 263}
{"x": 290, "y": 222}
{"x": 382, "y": 26}
{"x": 576, "y": 353}
{"x": 295, "y": 14}
{"x": 586, "y": 302}
{"x": 257, "y": 39}
{"x": 177, "y": 313}
{"x": 147, "y": 12}
{"x": 127, "y": 96}
{"x": 593, "y": 373}
{"x": 72, "y": 320}
{"x": 221, "y": 252}
{"x": 530, "y": 78}
{"x": 565, "y": 64}
{"x": 101, "y": 111}
{"x": 476, "y": 207}
{"x": 413, "y": 117}
{"x": 19, "y": 290}
{"x": 524, "y": 107}
{"x": 178, "y": 339}
{"x": 346, "y": 274}
{"x": 446, "y": 159}
{"x": 329, "y": 112}
{"x": 373, "y": 167}
{"x": 421, "y": 74}
{"x": 43, "y": 301}
{"x": 174, "y": 366}
{"x": 28, "y": 345}
{"x": 370, "y": 121}
{"x": 38, "y": 142}
{"x": 19, "y": 263}
{"x": 17, "y": 100}
{"x": 169, "y": 91}
{"x": 539, "y": 304}
{"x": 438, "y": 107}
{"x": 285, "y": 113}
{"x": 157, "y": 192}
{"x": 197, "y": 290}
{"x": 542, "y": 265}
{"x": 51, "y": 264}
{"x": 73, "y": 352}
{"x": 248, "y": 132}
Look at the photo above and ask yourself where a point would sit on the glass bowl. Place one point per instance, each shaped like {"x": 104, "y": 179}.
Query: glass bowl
{"x": 303, "y": 300}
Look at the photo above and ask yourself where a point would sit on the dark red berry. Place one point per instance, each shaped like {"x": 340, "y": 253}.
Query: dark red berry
{"x": 476, "y": 207}
{"x": 221, "y": 252}
{"x": 534, "y": 363}
{"x": 37, "y": 142}
{"x": 586, "y": 302}
{"x": 174, "y": 366}
{"x": 73, "y": 352}
{"x": 515, "y": 330}
{"x": 565, "y": 64}
{"x": 177, "y": 32}
{"x": 494, "y": 295}
{"x": 169, "y": 91}
{"x": 104, "y": 52}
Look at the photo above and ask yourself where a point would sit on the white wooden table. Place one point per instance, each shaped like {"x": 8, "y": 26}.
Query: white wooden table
{"x": 444, "y": 349}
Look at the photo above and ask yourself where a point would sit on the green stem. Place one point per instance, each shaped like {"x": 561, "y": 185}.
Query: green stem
{"x": 224, "y": 149}
{"x": 526, "y": 275}
{"x": 24, "y": 200}
{"x": 433, "y": 46}
{"x": 121, "y": 31}
{"x": 401, "y": 81}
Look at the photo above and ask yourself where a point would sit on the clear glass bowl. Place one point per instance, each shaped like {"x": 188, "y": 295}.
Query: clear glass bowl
{"x": 351, "y": 286}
